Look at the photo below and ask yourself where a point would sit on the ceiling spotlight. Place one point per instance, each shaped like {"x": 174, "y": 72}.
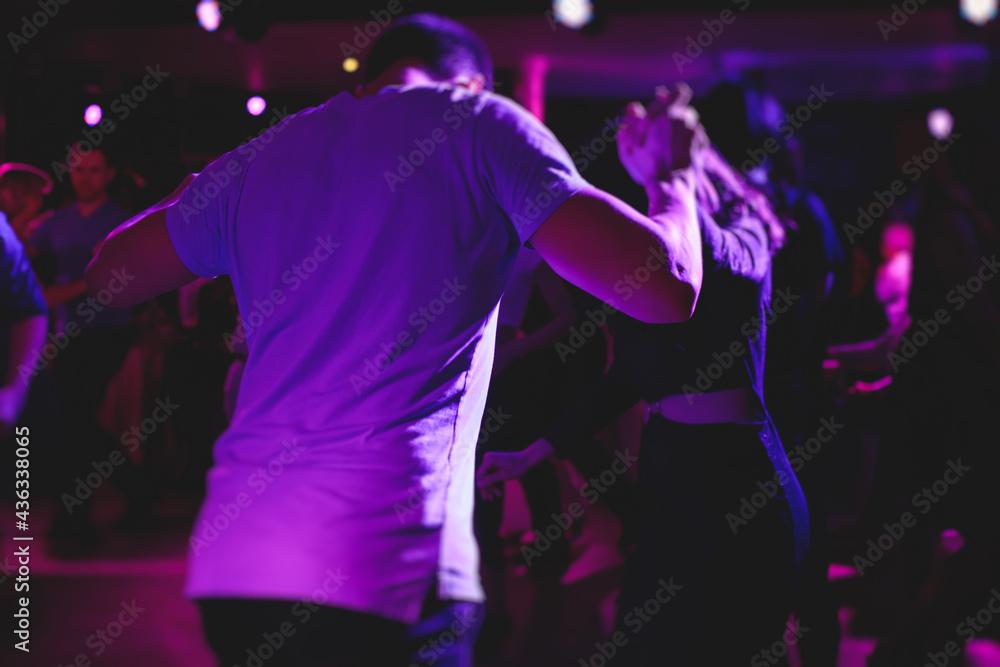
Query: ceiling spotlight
{"x": 209, "y": 15}
{"x": 573, "y": 13}
{"x": 92, "y": 114}
{"x": 256, "y": 105}
{"x": 978, "y": 12}
{"x": 940, "y": 123}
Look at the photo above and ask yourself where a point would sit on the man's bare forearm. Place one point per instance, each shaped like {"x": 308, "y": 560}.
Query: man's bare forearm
{"x": 647, "y": 267}
{"x": 673, "y": 207}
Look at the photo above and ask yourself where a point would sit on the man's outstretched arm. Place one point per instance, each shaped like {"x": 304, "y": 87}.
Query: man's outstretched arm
{"x": 648, "y": 267}
{"x": 138, "y": 261}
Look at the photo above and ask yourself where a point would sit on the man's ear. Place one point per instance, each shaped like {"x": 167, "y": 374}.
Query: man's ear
{"x": 474, "y": 83}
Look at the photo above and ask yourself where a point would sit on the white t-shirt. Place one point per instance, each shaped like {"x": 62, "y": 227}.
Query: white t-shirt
{"x": 368, "y": 241}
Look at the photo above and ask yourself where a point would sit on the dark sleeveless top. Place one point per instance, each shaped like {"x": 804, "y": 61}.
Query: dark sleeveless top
{"x": 720, "y": 347}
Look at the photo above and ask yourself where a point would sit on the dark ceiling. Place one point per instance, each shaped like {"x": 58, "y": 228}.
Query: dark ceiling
{"x": 115, "y": 13}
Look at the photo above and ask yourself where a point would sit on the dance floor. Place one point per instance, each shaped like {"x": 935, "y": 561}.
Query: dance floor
{"x": 121, "y": 606}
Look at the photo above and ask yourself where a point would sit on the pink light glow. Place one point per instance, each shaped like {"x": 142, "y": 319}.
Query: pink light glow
{"x": 92, "y": 114}
{"x": 256, "y": 105}
{"x": 209, "y": 15}
{"x": 940, "y": 123}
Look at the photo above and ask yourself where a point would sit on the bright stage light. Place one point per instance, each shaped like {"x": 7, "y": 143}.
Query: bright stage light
{"x": 209, "y": 15}
{"x": 92, "y": 114}
{"x": 351, "y": 65}
{"x": 256, "y": 105}
{"x": 979, "y": 12}
{"x": 573, "y": 13}
{"x": 940, "y": 123}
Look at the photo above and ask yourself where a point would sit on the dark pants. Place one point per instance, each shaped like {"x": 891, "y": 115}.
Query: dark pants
{"x": 281, "y": 633}
{"x": 722, "y": 532}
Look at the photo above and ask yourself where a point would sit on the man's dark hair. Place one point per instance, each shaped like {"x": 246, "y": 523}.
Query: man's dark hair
{"x": 444, "y": 47}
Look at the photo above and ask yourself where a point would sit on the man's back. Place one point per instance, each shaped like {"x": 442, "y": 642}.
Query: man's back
{"x": 368, "y": 274}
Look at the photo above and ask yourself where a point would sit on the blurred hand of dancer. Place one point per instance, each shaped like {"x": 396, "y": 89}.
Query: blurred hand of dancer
{"x": 658, "y": 140}
{"x": 11, "y": 402}
{"x": 498, "y": 467}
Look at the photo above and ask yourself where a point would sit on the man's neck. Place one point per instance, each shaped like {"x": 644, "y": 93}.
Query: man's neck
{"x": 87, "y": 208}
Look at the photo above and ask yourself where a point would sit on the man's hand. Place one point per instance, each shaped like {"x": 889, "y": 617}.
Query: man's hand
{"x": 498, "y": 467}
{"x": 655, "y": 141}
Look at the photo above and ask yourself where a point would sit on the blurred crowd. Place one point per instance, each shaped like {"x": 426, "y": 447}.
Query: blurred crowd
{"x": 882, "y": 363}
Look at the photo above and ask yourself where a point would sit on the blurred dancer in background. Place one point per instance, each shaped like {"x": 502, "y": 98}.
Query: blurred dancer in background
{"x": 704, "y": 445}
{"x": 23, "y": 189}
{"x": 745, "y": 124}
{"x": 22, "y": 327}
{"x": 96, "y": 337}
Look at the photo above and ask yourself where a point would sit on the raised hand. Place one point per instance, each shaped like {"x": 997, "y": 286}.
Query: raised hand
{"x": 498, "y": 467}
{"x": 656, "y": 140}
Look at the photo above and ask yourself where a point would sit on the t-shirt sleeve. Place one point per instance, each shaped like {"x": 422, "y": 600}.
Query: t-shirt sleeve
{"x": 199, "y": 222}
{"x": 740, "y": 248}
{"x": 527, "y": 170}
{"x": 20, "y": 295}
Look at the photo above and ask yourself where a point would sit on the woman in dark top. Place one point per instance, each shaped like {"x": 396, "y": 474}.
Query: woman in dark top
{"x": 723, "y": 525}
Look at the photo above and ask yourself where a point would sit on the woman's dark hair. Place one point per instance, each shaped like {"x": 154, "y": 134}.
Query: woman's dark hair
{"x": 445, "y": 47}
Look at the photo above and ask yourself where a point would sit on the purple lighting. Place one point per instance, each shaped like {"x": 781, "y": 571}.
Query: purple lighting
{"x": 209, "y": 15}
{"x": 940, "y": 123}
{"x": 256, "y": 105}
{"x": 573, "y": 13}
{"x": 92, "y": 115}
{"x": 979, "y": 12}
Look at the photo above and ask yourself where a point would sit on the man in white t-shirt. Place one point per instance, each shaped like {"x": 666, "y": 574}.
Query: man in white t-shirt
{"x": 368, "y": 241}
